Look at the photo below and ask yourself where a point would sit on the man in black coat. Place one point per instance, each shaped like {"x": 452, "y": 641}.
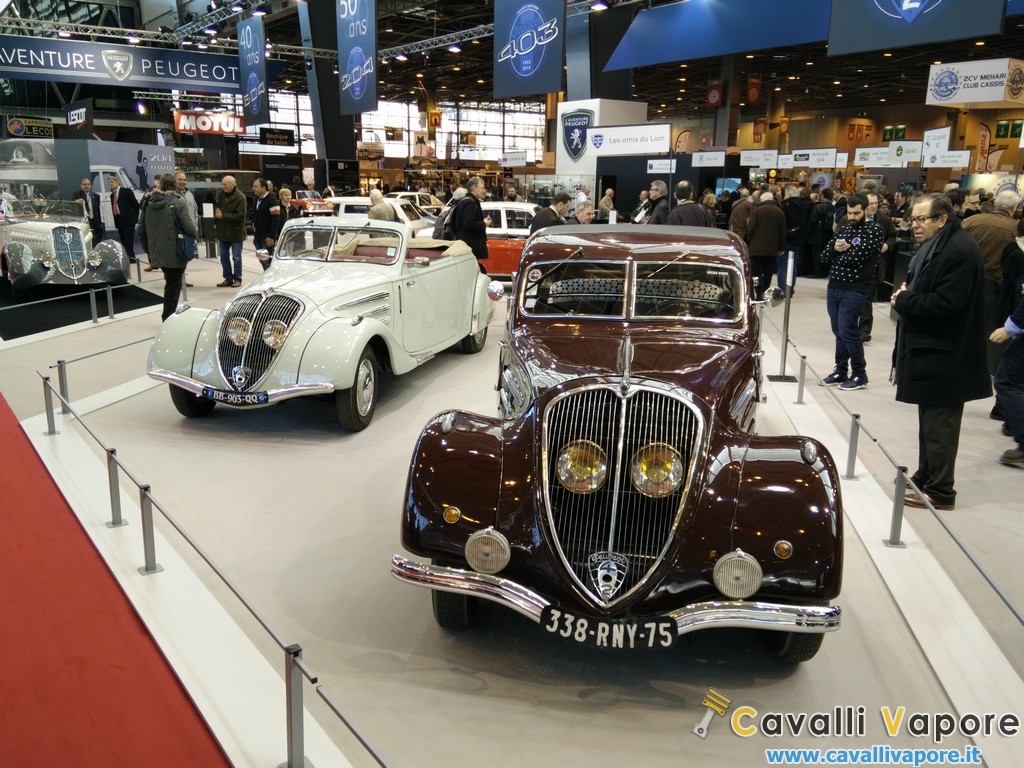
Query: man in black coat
{"x": 553, "y": 214}
{"x": 468, "y": 221}
{"x": 266, "y": 220}
{"x": 125, "y": 207}
{"x": 940, "y": 357}
{"x": 91, "y": 202}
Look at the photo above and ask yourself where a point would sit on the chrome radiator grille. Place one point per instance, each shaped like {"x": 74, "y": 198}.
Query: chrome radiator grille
{"x": 69, "y": 251}
{"x": 616, "y": 522}
{"x": 244, "y": 366}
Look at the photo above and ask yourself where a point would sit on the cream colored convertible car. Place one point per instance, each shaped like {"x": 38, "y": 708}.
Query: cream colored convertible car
{"x": 344, "y": 299}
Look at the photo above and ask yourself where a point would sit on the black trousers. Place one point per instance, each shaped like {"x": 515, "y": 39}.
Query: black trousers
{"x": 172, "y": 290}
{"x": 126, "y": 234}
{"x": 938, "y": 438}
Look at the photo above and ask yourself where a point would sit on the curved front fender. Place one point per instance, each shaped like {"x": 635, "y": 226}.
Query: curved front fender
{"x": 182, "y": 339}
{"x": 333, "y": 349}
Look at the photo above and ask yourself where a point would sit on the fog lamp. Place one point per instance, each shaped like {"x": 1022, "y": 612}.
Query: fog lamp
{"x": 656, "y": 470}
{"x": 582, "y": 466}
{"x": 48, "y": 259}
{"x": 238, "y": 331}
{"x": 95, "y": 258}
{"x": 737, "y": 575}
{"x": 487, "y": 551}
{"x": 274, "y": 332}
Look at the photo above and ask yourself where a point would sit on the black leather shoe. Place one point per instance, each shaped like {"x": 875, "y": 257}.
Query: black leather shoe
{"x": 1006, "y": 430}
{"x": 996, "y": 413}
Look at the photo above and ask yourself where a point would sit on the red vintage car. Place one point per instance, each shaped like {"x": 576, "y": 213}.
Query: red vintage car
{"x": 309, "y": 203}
{"x": 621, "y": 497}
{"x": 510, "y": 226}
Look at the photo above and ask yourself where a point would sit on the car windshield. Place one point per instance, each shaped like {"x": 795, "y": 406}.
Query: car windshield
{"x": 410, "y": 212}
{"x": 675, "y": 289}
{"x": 305, "y": 194}
{"x": 362, "y": 245}
{"x": 42, "y": 208}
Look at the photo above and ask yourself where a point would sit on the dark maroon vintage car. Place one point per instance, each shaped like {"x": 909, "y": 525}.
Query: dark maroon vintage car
{"x": 622, "y": 497}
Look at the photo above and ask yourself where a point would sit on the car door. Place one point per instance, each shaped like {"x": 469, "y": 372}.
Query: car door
{"x": 432, "y": 304}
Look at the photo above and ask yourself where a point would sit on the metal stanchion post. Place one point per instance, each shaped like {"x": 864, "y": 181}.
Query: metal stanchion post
{"x": 802, "y": 380}
{"x": 62, "y": 386}
{"x": 116, "y": 521}
{"x": 148, "y": 535}
{"x": 782, "y": 375}
{"x": 896, "y": 526}
{"x": 293, "y": 707}
{"x": 51, "y": 427}
{"x": 851, "y": 458}
{"x": 92, "y": 305}
{"x": 110, "y": 302}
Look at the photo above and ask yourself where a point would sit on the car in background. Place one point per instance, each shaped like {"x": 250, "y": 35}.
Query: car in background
{"x": 622, "y": 496}
{"x": 510, "y": 226}
{"x": 405, "y": 212}
{"x": 343, "y": 300}
{"x": 49, "y": 242}
{"x": 306, "y": 202}
{"x": 422, "y": 200}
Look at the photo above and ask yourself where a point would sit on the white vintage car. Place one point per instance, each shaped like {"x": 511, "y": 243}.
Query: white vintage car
{"x": 48, "y": 242}
{"x": 343, "y": 299}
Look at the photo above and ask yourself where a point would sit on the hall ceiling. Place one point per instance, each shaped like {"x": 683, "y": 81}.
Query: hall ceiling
{"x": 864, "y": 80}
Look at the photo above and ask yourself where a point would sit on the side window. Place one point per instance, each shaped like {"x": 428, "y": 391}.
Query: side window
{"x": 519, "y": 219}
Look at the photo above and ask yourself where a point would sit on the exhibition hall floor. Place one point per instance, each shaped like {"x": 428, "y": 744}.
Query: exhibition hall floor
{"x": 303, "y": 518}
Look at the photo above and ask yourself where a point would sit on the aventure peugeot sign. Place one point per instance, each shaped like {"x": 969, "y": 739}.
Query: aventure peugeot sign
{"x": 37, "y": 58}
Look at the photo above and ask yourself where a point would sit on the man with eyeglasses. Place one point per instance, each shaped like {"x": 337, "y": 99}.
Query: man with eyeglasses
{"x": 940, "y": 343}
{"x": 660, "y": 205}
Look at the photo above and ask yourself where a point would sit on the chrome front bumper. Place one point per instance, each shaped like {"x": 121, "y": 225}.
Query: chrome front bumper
{"x": 273, "y": 395}
{"x": 727, "y": 613}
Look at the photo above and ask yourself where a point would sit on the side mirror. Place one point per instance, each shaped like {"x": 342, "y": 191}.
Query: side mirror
{"x": 263, "y": 254}
{"x": 421, "y": 261}
{"x": 495, "y": 291}
{"x": 772, "y": 298}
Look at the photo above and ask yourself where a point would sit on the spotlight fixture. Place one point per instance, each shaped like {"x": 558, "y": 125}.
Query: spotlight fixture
{"x": 202, "y": 46}
{"x": 63, "y": 33}
{"x": 140, "y": 107}
{"x": 212, "y": 6}
{"x": 237, "y": 7}
{"x": 259, "y": 11}
{"x": 454, "y": 48}
{"x": 334, "y": 67}
{"x": 599, "y": 5}
{"x": 186, "y": 42}
{"x": 401, "y": 57}
{"x": 211, "y": 31}
{"x": 132, "y": 40}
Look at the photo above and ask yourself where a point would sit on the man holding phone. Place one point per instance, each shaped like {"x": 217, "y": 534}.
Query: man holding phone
{"x": 853, "y": 255}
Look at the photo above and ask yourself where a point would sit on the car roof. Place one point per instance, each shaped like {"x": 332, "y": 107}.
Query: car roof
{"x": 508, "y": 204}
{"x": 615, "y": 242}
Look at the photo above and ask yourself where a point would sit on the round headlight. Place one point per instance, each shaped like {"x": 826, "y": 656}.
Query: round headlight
{"x": 582, "y": 466}
{"x": 656, "y": 470}
{"x": 737, "y": 575}
{"x": 95, "y": 258}
{"x": 487, "y": 551}
{"x": 238, "y": 331}
{"x": 274, "y": 332}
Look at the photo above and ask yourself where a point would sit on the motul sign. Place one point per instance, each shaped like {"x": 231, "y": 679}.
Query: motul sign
{"x": 201, "y": 122}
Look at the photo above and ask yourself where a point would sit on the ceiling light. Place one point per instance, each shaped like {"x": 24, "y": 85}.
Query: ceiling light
{"x": 456, "y": 69}
{"x": 211, "y": 31}
{"x": 186, "y": 42}
{"x": 778, "y": 88}
{"x": 334, "y": 67}
{"x": 201, "y": 45}
{"x": 481, "y": 82}
{"x": 132, "y": 40}
{"x": 836, "y": 82}
{"x": 980, "y": 42}
{"x": 63, "y": 33}
{"x": 237, "y": 7}
{"x": 140, "y": 107}
{"x": 419, "y": 75}
{"x": 599, "y": 5}
{"x": 454, "y": 48}
{"x": 259, "y": 11}
{"x": 401, "y": 57}
{"x": 887, "y": 55}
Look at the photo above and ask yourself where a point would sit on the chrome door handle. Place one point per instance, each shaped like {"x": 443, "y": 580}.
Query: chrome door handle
{"x": 410, "y": 283}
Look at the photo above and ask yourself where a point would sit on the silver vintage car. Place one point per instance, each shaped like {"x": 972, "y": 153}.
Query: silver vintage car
{"x": 343, "y": 299}
{"x": 48, "y": 242}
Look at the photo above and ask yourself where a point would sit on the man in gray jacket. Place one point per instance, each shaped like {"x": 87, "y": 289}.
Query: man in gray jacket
{"x": 164, "y": 219}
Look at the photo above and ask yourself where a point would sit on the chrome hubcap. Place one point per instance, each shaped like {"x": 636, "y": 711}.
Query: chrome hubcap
{"x": 365, "y": 385}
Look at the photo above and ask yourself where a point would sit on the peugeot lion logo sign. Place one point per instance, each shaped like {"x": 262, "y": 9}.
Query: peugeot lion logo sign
{"x": 239, "y": 376}
{"x": 607, "y": 571}
{"x": 118, "y": 64}
{"x": 574, "y": 131}
{"x": 908, "y": 10}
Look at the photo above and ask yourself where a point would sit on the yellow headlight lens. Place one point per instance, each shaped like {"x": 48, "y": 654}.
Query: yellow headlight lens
{"x": 238, "y": 331}
{"x": 582, "y": 466}
{"x": 274, "y": 332}
{"x": 656, "y": 470}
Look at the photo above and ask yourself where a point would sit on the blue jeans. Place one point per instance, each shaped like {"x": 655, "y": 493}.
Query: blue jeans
{"x": 1009, "y": 383}
{"x": 844, "y": 308}
{"x": 231, "y": 260}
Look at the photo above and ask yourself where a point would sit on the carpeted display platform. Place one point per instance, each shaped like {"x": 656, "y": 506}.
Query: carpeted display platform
{"x": 19, "y": 319}
{"x": 81, "y": 681}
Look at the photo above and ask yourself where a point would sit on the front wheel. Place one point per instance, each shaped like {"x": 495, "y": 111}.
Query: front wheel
{"x": 474, "y": 342}
{"x": 192, "y": 406}
{"x": 452, "y": 612}
{"x": 792, "y": 647}
{"x": 357, "y": 403}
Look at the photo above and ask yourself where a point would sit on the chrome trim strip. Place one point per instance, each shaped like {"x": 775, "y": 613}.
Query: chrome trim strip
{"x": 811, "y": 619}
{"x": 382, "y": 296}
{"x": 273, "y": 395}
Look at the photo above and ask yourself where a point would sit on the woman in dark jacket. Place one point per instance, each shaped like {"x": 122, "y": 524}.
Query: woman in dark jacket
{"x": 166, "y": 216}
{"x": 468, "y": 221}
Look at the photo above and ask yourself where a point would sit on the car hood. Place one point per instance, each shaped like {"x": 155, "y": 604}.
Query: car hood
{"x": 317, "y": 283}
{"x": 43, "y": 226}
{"x": 696, "y": 359}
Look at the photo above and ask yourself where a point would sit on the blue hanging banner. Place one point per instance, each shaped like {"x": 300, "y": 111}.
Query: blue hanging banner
{"x": 357, "y": 55}
{"x": 529, "y": 47}
{"x": 252, "y": 63}
{"x": 71, "y": 61}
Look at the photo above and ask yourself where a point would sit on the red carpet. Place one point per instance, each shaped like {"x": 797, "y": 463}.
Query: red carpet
{"x": 81, "y": 682}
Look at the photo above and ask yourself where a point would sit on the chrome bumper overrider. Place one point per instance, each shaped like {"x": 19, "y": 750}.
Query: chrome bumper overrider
{"x": 715, "y": 613}
{"x": 273, "y": 395}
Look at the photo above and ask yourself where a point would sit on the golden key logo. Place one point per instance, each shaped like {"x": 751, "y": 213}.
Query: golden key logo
{"x": 716, "y": 702}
